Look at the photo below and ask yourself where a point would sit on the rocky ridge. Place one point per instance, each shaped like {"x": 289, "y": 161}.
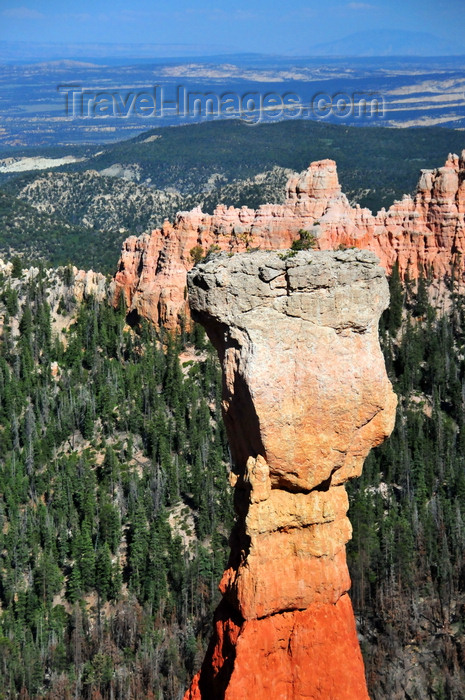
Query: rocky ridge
{"x": 79, "y": 284}
{"x": 65, "y": 289}
{"x": 424, "y": 234}
{"x": 299, "y": 426}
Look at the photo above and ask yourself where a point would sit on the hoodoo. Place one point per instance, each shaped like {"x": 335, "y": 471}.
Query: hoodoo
{"x": 305, "y": 397}
{"x": 424, "y": 234}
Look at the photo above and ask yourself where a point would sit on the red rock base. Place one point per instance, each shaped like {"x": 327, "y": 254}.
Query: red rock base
{"x": 312, "y": 654}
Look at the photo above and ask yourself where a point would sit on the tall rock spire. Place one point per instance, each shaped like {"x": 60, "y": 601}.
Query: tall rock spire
{"x": 305, "y": 397}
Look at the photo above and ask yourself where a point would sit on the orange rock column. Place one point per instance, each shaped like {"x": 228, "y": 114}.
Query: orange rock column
{"x": 305, "y": 397}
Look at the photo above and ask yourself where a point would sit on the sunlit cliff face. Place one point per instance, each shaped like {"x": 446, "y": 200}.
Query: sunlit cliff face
{"x": 424, "y": 235}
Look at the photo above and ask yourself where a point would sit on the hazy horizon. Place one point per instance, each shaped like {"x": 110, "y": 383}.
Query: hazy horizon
{"x": 389, "y": 27}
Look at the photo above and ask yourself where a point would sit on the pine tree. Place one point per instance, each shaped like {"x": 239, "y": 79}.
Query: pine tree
{"x": 397, "y": 299}
{"x": 86, "y": 558}
{"x": 422, "y": 302}
{"x": 74, "y": 588}
{"x": 138, "y": 547}
{"x": 103, "y": 570}
{"x": 17, "y": 269}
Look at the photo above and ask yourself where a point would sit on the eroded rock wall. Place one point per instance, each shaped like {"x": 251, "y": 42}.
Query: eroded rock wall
{"x": 305, "y": 397}
{"x": 423, "y": 234}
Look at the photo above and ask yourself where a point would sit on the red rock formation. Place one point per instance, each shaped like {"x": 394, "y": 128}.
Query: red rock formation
{"x": 305, "y": 397}
{"x": 424, "y": 233}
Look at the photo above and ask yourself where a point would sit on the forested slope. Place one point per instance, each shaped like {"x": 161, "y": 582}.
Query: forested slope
{"x": 38, "y": 235}
{"x": 407, "y": 556}
{"x": 375, "y": 163}
{"x": 115, "y": 508}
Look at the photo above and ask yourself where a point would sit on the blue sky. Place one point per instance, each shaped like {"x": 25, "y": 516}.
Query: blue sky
{"x": 241, "y": 25}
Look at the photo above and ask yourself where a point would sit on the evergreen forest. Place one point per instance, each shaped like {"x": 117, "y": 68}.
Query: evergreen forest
{"x": 115, "y": 506}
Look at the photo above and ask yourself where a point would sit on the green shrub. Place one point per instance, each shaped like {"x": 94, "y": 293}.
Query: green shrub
{"x": 306, "y": 241}
{"x": 196, "y": 254}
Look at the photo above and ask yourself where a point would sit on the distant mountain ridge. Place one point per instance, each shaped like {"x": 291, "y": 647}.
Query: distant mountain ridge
{"x": 377, "y": 42}
{"x": 389, "y": 42}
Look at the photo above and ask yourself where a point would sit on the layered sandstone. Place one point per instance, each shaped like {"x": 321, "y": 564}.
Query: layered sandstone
{"x": 424, "y": 234}
{"x": 305, "y": 397}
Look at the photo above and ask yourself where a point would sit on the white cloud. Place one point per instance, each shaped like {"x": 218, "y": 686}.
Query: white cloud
{"x": 78, "y": 17}
{"x": 22, "y": 13}
{"x": 360, "y": 6}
